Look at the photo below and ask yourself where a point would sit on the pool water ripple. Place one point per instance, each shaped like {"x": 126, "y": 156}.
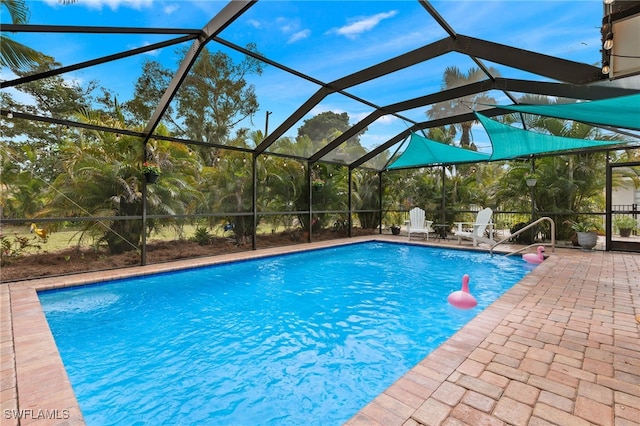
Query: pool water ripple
{"x": 308, "y": 338}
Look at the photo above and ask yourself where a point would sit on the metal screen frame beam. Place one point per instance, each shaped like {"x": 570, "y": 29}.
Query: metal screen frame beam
{"x": 232, "y": 11}
{"x": 405, "y": 60}
{"x": 524, "y": 86}
{"x": 98, "y": 61}
{"x": 537, "y": 63}
{"x": 526, "y": 60}
{"x": 28, "y": 28}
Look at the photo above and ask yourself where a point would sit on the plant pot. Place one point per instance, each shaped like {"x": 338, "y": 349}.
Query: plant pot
{"x": 151, "y": 177}
{"x": 395, "y": 230}
{"x": 625, "y": 233}
{"x": 587, "y": 240}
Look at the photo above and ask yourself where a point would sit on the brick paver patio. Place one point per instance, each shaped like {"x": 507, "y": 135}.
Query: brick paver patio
{"x": 562, "y": 347}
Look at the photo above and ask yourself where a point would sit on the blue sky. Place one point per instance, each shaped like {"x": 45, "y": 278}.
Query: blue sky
{"x": 326, "y": 40}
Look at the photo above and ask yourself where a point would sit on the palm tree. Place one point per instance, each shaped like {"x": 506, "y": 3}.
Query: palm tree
{"x": 102, "y": 177}
{"x": 15, "y": 55}
{"x": 231, "y": 186}
{"x": 453, "y": 78}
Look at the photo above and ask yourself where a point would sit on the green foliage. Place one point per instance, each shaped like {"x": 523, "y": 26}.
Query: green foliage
{"x": 326, "y": 126}
{"x": 525, "y": 237}
{"x": 149, "y": 87}
{"x": 583, "y": 226}
{"x": 213, "y": 99}
{"x": 12, "y": 250}
{"x": 453, "y": 78}
{"x": 366, "y": 188}
{"x": 202, "y": 236}
{"x": 148, "y": 167}
{"x": 13, "y": 54}
{"x": 625, "y": 222}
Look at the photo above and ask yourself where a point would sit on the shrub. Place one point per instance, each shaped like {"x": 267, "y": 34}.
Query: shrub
{"x": 526, "y": 237}
{"x": 202, "y": 236}
{"x": 625, "y": 222}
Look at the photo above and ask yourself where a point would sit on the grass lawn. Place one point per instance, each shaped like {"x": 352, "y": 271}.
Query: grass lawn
{"x": 68, "y": 238}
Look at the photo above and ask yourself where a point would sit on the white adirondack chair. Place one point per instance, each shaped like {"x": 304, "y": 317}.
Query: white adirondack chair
{"x": 417, "y": 224}
{"x": 477, "y": 233}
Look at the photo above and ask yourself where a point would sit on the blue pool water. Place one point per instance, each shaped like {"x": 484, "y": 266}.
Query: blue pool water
{"x": 305, "y": 338}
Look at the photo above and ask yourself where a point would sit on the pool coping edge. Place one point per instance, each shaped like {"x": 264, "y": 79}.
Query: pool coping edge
{"x": 43, "y": 389}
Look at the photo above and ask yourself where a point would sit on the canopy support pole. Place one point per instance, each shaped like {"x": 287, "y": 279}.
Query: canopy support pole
{"x": 533, "y": 199}
{"x": 443, "y": 217}
{"x": 350, "y": 183}
{"x": 380, "y": 201}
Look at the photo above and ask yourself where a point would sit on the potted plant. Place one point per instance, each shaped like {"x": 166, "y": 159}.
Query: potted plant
{"x": 150, "y": 171}
{"x": 586, "y": 233}
{"x": 531, "y": 179}
{"x": 395, "y": 229}
{"x": 317, "y": 183}
{"x": 625, "y": 224}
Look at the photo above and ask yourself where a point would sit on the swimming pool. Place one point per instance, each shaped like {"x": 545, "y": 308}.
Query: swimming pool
{"x": 300, "y": 338}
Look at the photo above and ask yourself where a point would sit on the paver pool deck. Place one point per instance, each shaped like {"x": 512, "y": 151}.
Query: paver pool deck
{"x": 562, "y": 347}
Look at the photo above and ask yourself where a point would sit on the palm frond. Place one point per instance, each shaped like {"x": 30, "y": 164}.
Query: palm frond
{"x": 18, "y": 56}
{"x": 18, "y": 10}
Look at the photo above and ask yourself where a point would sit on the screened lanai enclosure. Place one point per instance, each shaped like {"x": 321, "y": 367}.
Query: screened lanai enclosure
{"x": 143, "y": 132}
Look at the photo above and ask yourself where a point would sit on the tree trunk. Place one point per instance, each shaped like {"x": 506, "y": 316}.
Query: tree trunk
{"x": 124, "y": 235}
{"x": 465, "y": 138}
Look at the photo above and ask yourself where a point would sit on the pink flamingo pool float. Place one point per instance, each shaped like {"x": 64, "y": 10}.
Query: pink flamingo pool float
{"x": 462, "y": 298}
{"x": 535, "y": 258}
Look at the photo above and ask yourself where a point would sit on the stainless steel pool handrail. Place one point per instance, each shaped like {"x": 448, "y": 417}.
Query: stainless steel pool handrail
{"x": 520, "y": 231}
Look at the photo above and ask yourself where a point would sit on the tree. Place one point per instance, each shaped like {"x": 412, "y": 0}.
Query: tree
{"x": 366, "y": 190}
{"x": 324, "y": 126}
{"x": 102, "y": 177}
{"x": 453, "y": 77}
{"x": 149, "y": 87}
{"x": 213, "y": 98}
{"x": 23, "y": 190}
{"x": 290, "y": 183}
{"x": 231, "y": 186}
{"x": 15, "y": 55}
{"x": 327, "y": 126}
{"x": 32, "y": 146}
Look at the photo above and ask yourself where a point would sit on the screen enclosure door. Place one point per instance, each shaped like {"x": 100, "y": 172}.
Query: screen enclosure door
{"x": 623, "y": 201}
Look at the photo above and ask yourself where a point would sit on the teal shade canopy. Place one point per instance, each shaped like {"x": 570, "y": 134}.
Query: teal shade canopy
{"x": 623, "y": 112}
{"x": 511, "y": 142}
{"x": 507, "y": 143}
{"x": 423, "y": 152}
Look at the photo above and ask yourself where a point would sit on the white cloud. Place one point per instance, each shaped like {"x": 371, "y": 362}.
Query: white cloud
{"x": 154, "y": 52}
{"x": 363, "y": 24}
{"x": 112, "y": 4}
{"x": 254, "y": 23}
{"x": 287, "y": 26}
{"x": 299, "y": 36}
{"x": 169, "y": 9}
{"x": 292, "y": 27}
{"x": 357, "y": 117}
{"x": 387, "y": 120}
